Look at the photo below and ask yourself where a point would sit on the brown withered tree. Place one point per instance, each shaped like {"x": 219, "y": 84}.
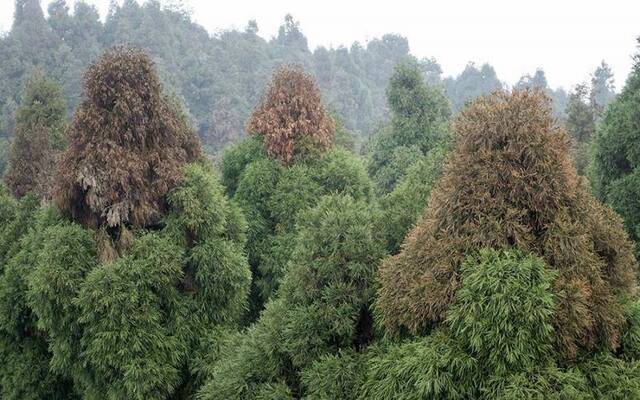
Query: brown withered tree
{"x": 291, "y": 117}
{"x": 32, "y": 160}
{"x": 510, "y": 183}
{"x": 128, "y": 144}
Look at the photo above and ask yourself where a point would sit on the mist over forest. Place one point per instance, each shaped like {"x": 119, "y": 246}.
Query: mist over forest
{"x": 221, "y": 77}
{"x": 187, "y": 216}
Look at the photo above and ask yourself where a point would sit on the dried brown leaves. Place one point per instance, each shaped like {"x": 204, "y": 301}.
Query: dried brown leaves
{"x": 291, "y": 117}
{"x": 127, "y": 145}
{"x": 509, "y": 183}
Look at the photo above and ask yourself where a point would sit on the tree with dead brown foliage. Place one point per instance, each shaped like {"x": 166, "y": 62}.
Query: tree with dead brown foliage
{"x": 291, "y": 117}
{"x": 510, "y": 183}
{"x": 128, "y": 145}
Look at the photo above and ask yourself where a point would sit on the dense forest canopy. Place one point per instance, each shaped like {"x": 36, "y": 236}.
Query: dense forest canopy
{"x": 193, "y": 217}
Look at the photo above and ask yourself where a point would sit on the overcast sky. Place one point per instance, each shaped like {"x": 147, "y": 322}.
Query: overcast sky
{"x": 567, "y": 38}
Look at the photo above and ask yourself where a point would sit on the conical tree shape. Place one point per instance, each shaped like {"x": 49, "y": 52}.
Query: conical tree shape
{"x": 510, "y": 183}
{"x": 38, "y": 138}
{"x": 291, "y": 117}
{"x": 128, "y": 145}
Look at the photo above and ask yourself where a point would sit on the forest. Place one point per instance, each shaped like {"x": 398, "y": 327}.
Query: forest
{"x": 211, "y": 217}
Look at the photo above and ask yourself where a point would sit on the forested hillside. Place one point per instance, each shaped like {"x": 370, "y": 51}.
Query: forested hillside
{"x": 367, "y": 229}
{"x": 219, "y": 77}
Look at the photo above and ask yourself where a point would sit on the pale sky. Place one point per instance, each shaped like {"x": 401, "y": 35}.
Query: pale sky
{"x": 567, "y": 38}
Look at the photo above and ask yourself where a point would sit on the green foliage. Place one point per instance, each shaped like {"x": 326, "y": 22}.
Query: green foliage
{"x": 220, "y": 77}
{"x": 419, "y": 114}
{"x": 334, "y": 376}
{"x": 236, "y": 158}
{"x": 611, "y": 378}
{"x": 433, "y": 367}
{"x": 158, "y": 303}
{"x": 581, "y": 125}
{"x": 66, "y": 254}
{"x": 616, "y": 165}
{"x": 545, "y": 382}
{"x": 129, "y": 305}
{"x": 471, "y": 83}
{"x": 405, "y": 204}
{"x": 24, "y": 353}
{"x": 503, "y": 311}
{"x": 42, "y": 104}
{"x": 321, "y": 307}
{"x": 630, "y": 342}
{"x": 272, "y": 197}
{"x": 602, "y": 88}
{"x": 38, "y": 138}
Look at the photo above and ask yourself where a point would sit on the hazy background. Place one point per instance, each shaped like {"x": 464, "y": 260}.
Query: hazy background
{"x": 566, "y": 38}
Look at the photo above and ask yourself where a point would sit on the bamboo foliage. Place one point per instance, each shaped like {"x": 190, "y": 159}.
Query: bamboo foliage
{"x": 510, "y": 183}
{"x": 128, "y": 145}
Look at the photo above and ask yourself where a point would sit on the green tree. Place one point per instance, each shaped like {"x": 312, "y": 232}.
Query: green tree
{"x": 471, "y": 83}
{"x": 283, "y": 170}
{"x": 173, "y": 284}
{"x": 602, "y": 88}
{"x": 309, "y": 335}
{"x": 418, "y": 123}
{"x": 38, "y": 138}
{"x": 616, "y": 164}
{"x": 581, "y": 125}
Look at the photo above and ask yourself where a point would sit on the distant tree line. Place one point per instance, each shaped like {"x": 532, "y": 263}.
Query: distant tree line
{"x": 219, "y": 77}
